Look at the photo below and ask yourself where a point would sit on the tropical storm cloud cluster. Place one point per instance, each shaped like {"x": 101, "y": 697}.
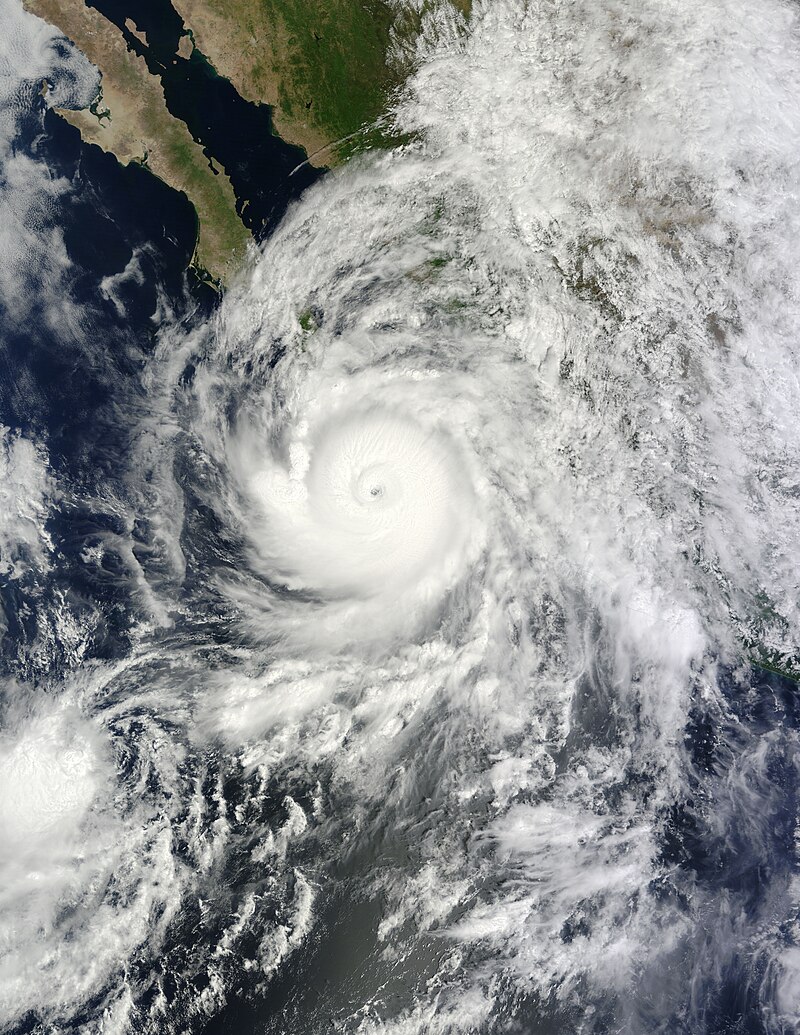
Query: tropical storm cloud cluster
{"x": 445, "y": 571}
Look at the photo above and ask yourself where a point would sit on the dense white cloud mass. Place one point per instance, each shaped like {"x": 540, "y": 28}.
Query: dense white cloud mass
{"x": 45, "y": 780}
{"x": 373, "y": 506}
{"x": 481, "y": 496}
{"x": 364, "y": 504}
{"x": 25, "y": 488}
{"x": 577, "y": 279}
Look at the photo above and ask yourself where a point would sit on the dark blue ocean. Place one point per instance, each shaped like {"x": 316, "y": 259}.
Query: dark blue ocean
{"x": 81, "y": 387}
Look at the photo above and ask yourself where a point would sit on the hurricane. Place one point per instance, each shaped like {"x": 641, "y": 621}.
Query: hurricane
{"x": 376, "y": 505}
{"x": 457, "y": 546}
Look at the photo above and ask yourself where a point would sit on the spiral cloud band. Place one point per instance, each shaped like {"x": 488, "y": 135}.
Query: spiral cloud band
{"x": 372, "y": 504}
{"x": 462, "y": 538}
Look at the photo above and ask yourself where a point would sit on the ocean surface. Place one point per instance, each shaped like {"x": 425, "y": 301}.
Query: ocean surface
{"x": 265, "y": 172}
{"x": 406, "y": 641}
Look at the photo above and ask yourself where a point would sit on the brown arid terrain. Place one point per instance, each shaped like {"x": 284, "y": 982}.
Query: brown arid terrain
{"x": 326, "y": 68}
{"x": 130, "y": 119}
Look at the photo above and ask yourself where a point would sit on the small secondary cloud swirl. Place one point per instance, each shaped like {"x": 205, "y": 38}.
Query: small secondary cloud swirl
{"x": 483, "y": 494}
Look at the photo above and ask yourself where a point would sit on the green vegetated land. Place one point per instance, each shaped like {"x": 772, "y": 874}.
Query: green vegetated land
{"x": 334, "y": 65}
{"x": 328, "y": 67}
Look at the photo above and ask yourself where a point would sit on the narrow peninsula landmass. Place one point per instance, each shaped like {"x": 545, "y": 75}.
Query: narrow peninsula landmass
{"x": 130, "y": 119}
{"x": 325, "y": 68}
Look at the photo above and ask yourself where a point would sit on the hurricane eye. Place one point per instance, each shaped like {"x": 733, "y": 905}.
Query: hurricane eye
{"x": 383, "y": 505}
